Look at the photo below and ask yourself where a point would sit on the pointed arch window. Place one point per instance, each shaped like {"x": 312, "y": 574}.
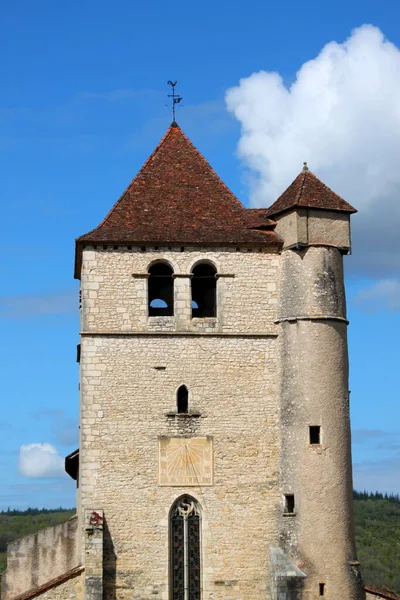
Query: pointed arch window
{"x": 204, "y": 291}
{"x": 185, "y": 528}
{"x": 182, "y": 400}
{"x": 161, "y": 290}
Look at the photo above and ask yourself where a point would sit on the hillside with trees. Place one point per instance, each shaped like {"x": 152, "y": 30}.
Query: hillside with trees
{"x": 377, "y": 518}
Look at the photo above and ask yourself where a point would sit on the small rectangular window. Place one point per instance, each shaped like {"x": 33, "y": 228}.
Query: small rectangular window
{"x": 321, "y": 589}
{"x": 289, "y": 503}
{"x": 315, "y": 434}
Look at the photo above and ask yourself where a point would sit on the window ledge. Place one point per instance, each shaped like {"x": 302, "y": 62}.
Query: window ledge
{"x": 204, "y": 319}
{"x": 183, "y": 415}
{"x": 169, "y": 317}
{"x": 291, "y": 514}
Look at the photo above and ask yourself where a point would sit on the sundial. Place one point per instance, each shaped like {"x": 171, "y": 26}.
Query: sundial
{"x": 185, "y": 461}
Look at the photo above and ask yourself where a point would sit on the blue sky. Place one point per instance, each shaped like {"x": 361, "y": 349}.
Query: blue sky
{"x": 83, "y": 105}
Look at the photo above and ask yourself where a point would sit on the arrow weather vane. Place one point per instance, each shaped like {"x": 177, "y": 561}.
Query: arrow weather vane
{"x": 175, "y": 98}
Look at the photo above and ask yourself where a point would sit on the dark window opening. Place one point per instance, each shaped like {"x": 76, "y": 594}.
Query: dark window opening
{"x": 289, "y": 503}
{"x": 321, "y": 589}
{"x": 161, "y": 291}
{"x": 185, "y": 567}
{"x": 204, "y": 291}
{"x": 183, "y": 399}
{"x": 315, "y": 434}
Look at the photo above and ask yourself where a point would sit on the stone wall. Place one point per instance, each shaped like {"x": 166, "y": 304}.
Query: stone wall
{"x": 308, "y": 226}
{"x": 319, "y": 534}
{"x": 129, "y": 381}
{"x": 127, "y": 403}
{"x": 40, "y": 557}
{"x": 114, "y": 290}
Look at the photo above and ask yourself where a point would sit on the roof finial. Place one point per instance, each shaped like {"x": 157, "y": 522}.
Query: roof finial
{"x": 175, "y": 98}
{"x": 305, "y": 167}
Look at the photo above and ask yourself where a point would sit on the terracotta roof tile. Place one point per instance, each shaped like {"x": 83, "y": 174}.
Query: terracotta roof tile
{"x": 309, "y": 192}
{"x": 177, "y": 198}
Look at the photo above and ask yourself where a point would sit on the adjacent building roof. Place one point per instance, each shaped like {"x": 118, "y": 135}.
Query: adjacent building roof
{"x": 309, "y": 192}
{"x": 382, "y": 592}
{"x": 177, "y": 198}
{"x": 72, "y": 464}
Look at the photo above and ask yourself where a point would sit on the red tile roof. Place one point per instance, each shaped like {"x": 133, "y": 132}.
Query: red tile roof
{"x": 177, "y": 198}
{"x": 309, "y": 192}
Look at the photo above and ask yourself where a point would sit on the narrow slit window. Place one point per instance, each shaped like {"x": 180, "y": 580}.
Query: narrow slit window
{"x": 204, "y": 291}
{"x": 182, "y": 399}
{"x": 161, "y": 291}
{"x": 315, "y": 434}
{"x": 289, "y": 504}
{"x": 321, "y": 589}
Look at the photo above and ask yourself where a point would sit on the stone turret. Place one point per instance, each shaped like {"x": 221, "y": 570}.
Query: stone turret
{"x": 317, "y": 530}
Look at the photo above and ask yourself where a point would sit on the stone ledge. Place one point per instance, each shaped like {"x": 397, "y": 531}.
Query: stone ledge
{"x": 189, "y": 334}
{"x": 312, "y": 318}
{"x": 188, "y": 415}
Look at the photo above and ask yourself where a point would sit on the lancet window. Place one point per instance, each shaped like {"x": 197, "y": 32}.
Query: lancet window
{"x": 182, "y": 399}
{"x": 185, "y": 526}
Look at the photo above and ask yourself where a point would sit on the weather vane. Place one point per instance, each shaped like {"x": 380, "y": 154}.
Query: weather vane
{"x": 175, "y": 98}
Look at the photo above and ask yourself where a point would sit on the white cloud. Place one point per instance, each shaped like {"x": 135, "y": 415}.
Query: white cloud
{"x": 40, "y": 460}
{"x": 384, "y": 292}
{"x": 342, "y": 115}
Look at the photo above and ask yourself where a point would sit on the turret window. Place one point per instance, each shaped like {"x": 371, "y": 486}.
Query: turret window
{"x": 289, "y": 504}
{"x": 315, "y": 434}
{"x": 204, "y": 291}
{"x": 161, "y": 291}
{"x": 182, "y": 399}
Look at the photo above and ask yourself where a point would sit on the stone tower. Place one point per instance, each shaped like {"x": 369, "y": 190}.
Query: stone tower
{"x": 214, "y": 459}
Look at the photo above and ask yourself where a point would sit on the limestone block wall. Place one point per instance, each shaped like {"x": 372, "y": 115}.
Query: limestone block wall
{"x": 40, "y": 557}
{"x": 128, "y": 386}
{"x": 114, "y": 290}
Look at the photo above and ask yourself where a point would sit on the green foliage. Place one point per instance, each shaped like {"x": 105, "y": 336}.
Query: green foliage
{"x": 377, "y": 519}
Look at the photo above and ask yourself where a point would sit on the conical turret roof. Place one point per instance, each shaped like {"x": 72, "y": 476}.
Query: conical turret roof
{"x": 309, "y": 192}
